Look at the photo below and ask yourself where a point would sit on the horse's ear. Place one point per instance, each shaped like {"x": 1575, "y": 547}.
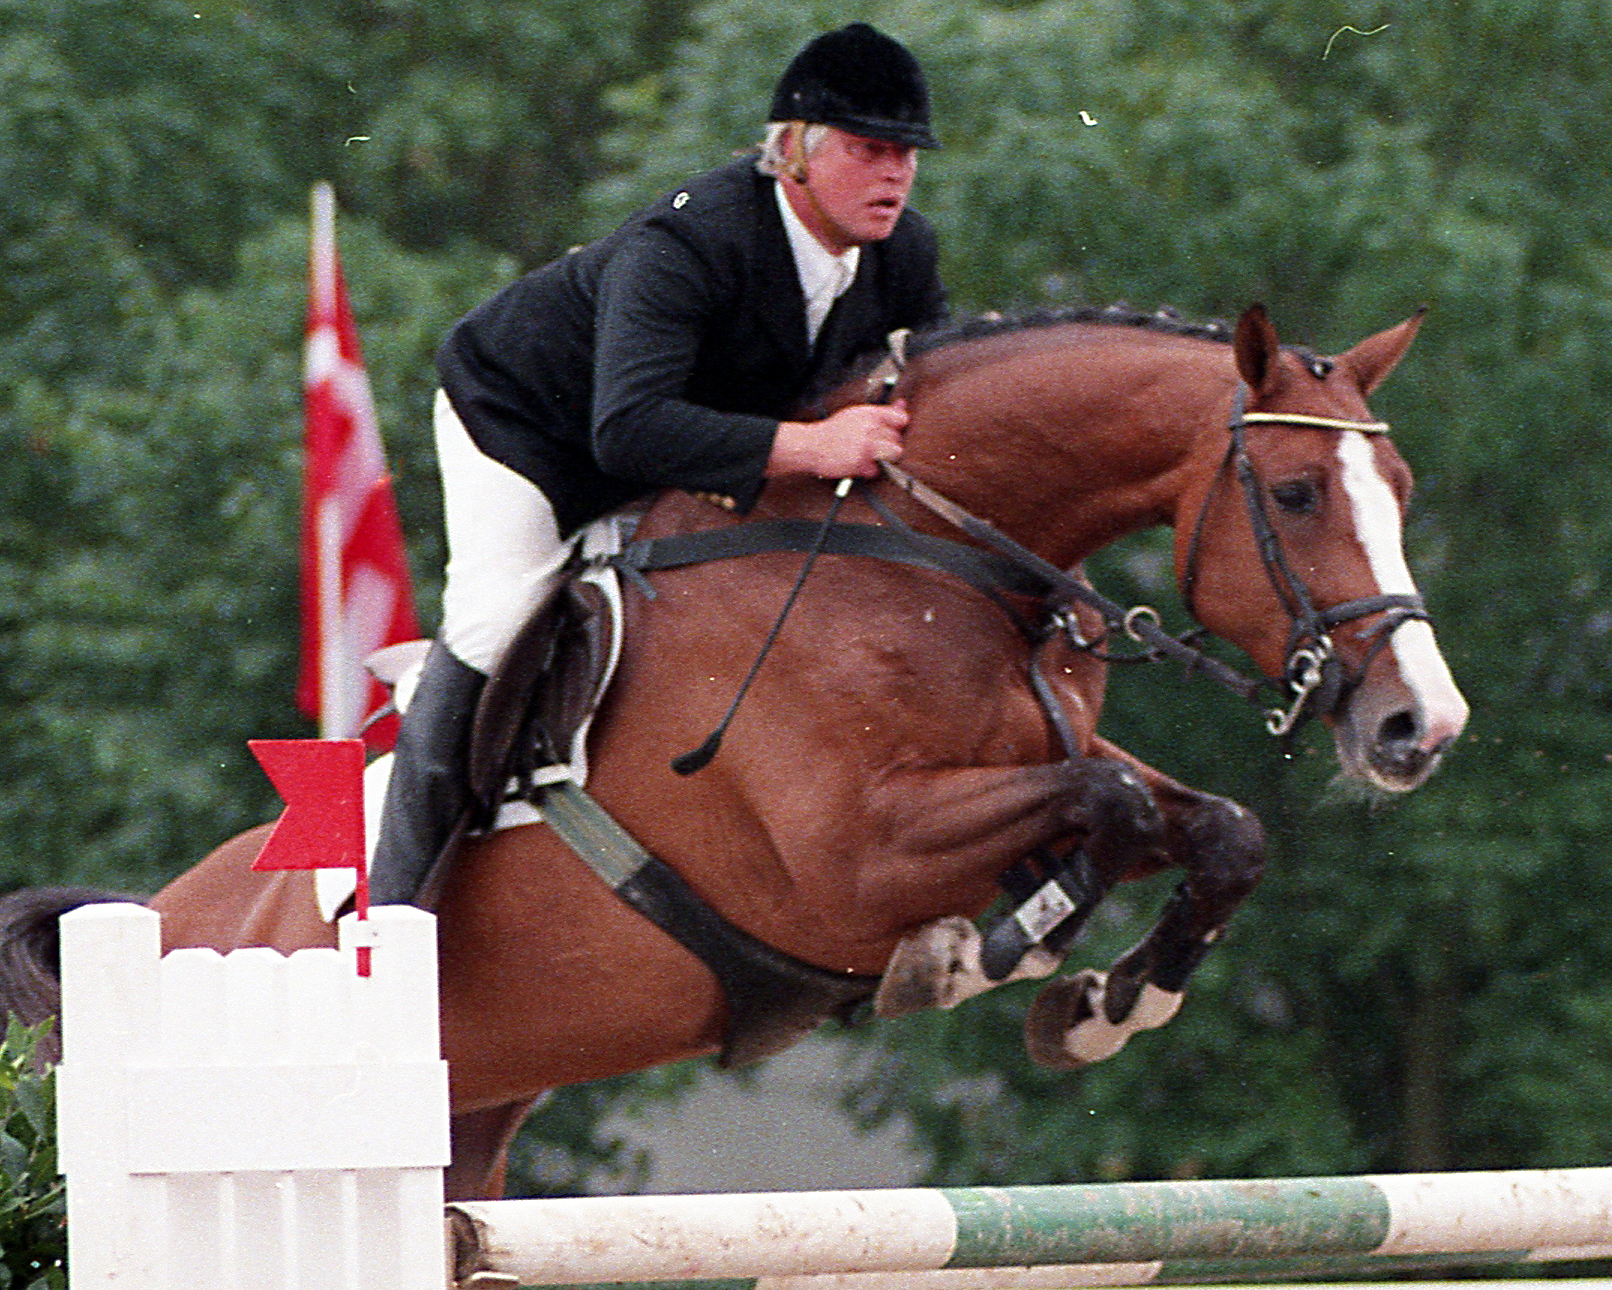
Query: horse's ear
{"x": 1376, "y": 356}
{"x": 1255, "y": 348}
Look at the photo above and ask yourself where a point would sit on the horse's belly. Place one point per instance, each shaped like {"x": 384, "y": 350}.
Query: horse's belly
{"x": 548, "y": 978}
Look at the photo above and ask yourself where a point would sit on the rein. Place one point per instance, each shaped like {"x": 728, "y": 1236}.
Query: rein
{"x": 1314, "y": 676}
{"x": 1012, "y": 570}
{"x": 1139, "y": 623}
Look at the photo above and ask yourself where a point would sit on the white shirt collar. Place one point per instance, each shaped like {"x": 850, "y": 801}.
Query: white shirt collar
{"x": 824, "y": 276}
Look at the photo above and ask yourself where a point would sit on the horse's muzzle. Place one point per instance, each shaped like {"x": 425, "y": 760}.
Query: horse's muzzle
{"x": 1393, "y": 735}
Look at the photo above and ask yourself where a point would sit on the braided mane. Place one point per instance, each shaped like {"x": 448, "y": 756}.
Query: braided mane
{"x": 1164, "y": 319}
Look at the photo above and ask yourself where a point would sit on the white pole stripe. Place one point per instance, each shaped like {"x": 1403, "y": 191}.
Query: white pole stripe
{"x": 646, "y": 1238}
{"x": 1505, "y": 1210}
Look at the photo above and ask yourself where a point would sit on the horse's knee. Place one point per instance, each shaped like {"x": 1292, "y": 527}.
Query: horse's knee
{"x": 1116, "y": 808}
{"x": 1226, "y": 848}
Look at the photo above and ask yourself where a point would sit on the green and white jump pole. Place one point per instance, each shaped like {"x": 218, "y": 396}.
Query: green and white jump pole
{"x": 1133, "y": 1232}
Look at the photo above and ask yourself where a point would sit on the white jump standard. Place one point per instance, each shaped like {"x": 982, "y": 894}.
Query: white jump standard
{"x": 251, "y": 1121}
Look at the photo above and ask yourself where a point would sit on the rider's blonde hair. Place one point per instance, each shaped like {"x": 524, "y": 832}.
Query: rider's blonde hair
{"x": 786, "y": 146}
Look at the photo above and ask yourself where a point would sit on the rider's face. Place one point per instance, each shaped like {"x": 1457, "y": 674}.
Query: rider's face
{"x": 855, "y": 189}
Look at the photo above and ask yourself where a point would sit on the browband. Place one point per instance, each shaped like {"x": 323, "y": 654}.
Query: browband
{"x": 1318, "y": 423}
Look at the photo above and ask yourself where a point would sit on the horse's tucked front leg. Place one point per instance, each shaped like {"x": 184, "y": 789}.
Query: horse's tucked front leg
{"x": 1105, "y": 805}
{"x": 1088, "y": 1016}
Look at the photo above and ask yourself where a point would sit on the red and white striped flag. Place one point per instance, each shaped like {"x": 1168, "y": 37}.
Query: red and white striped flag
{"x": 356, "y": 591}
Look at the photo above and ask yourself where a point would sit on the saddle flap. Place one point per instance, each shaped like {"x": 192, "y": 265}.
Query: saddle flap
{"x": 544, "y": 691}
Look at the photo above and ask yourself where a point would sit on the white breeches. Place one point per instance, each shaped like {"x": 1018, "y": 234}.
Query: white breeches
{"x": 504, "y": 547}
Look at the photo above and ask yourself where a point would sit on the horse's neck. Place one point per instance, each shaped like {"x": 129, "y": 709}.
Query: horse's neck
{"x": 1067, "y": 451}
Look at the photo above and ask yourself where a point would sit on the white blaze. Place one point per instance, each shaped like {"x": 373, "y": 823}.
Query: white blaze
{"x": 1376, "y": 513}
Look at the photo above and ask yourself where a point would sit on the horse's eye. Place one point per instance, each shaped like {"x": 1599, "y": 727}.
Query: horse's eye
{"x": 1296, "y": 496}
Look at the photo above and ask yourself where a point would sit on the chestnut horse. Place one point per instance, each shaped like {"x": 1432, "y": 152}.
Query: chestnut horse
{"x": 893, "y": 760}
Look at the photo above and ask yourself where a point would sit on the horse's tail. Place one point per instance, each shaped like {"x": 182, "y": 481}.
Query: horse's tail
{"x": 31, "y": 952}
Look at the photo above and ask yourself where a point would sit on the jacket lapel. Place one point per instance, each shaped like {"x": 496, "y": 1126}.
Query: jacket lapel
{"x": 780, "y": 305}
{"x": 843, "y": 333}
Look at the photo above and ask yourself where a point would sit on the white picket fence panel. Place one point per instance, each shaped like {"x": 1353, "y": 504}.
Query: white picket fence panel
{"x": 251, "y": 1121}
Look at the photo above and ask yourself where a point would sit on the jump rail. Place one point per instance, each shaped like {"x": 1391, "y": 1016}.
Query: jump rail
{"x": 1133, "y": 1232}
{"x": 1277, "y": 1273}
{"x": 1100, "y": 1276}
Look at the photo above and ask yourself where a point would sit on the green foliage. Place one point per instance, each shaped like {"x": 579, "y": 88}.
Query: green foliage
{"x": 33, "y": 1207}
{"x": 154, "y": 566}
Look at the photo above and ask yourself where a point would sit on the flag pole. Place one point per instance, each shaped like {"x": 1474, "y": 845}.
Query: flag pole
{"x": 357, "y": 595}
{"x": 334, "y": 701}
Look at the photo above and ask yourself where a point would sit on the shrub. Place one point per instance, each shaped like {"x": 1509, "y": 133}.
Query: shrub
{"x": 33, "y": 1204}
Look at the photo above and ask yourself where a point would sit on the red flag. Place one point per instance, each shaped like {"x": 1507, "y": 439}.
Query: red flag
{"x": 322, "y": 826}
{"x": 322, "y": 782}
{"x": 356, "y": 591}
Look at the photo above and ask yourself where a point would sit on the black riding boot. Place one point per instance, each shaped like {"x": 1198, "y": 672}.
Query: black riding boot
{"x": 429, "y": 790}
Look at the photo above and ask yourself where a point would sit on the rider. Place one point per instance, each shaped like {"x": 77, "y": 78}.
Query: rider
{"x": 668, "y": 354}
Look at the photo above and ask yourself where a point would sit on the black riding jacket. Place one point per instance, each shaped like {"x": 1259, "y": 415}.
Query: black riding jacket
{"x": 665, "y": 354}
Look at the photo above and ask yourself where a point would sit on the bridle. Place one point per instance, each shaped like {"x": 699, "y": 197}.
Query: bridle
{"x": 1316, "y": 678}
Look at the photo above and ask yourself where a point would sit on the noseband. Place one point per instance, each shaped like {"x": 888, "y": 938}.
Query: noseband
{"x": 1316, "y": 678}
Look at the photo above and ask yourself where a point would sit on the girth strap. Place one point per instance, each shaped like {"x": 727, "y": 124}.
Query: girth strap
{"x": 774, "y": 999}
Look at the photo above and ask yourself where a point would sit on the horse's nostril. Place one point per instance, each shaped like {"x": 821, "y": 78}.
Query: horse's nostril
{"x": 1397, "y": 752}
{"x": 1398, "y": 728}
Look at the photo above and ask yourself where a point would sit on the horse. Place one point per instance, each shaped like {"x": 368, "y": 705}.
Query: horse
{"x": 913, "y": 736}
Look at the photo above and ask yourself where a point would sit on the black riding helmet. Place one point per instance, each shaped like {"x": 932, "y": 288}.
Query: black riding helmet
{"x": 860, "y": 80}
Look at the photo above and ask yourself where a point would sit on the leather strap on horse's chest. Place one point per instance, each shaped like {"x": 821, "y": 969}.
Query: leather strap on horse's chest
{"x": 773, "y": 998}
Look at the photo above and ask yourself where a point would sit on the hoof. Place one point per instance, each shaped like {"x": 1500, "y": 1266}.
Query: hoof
{"x": 929, "y": 968}
{"x": 939, "y": 966}
{"x": 1066, "y": 1028}
{"x": 1064, "y": 1005}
